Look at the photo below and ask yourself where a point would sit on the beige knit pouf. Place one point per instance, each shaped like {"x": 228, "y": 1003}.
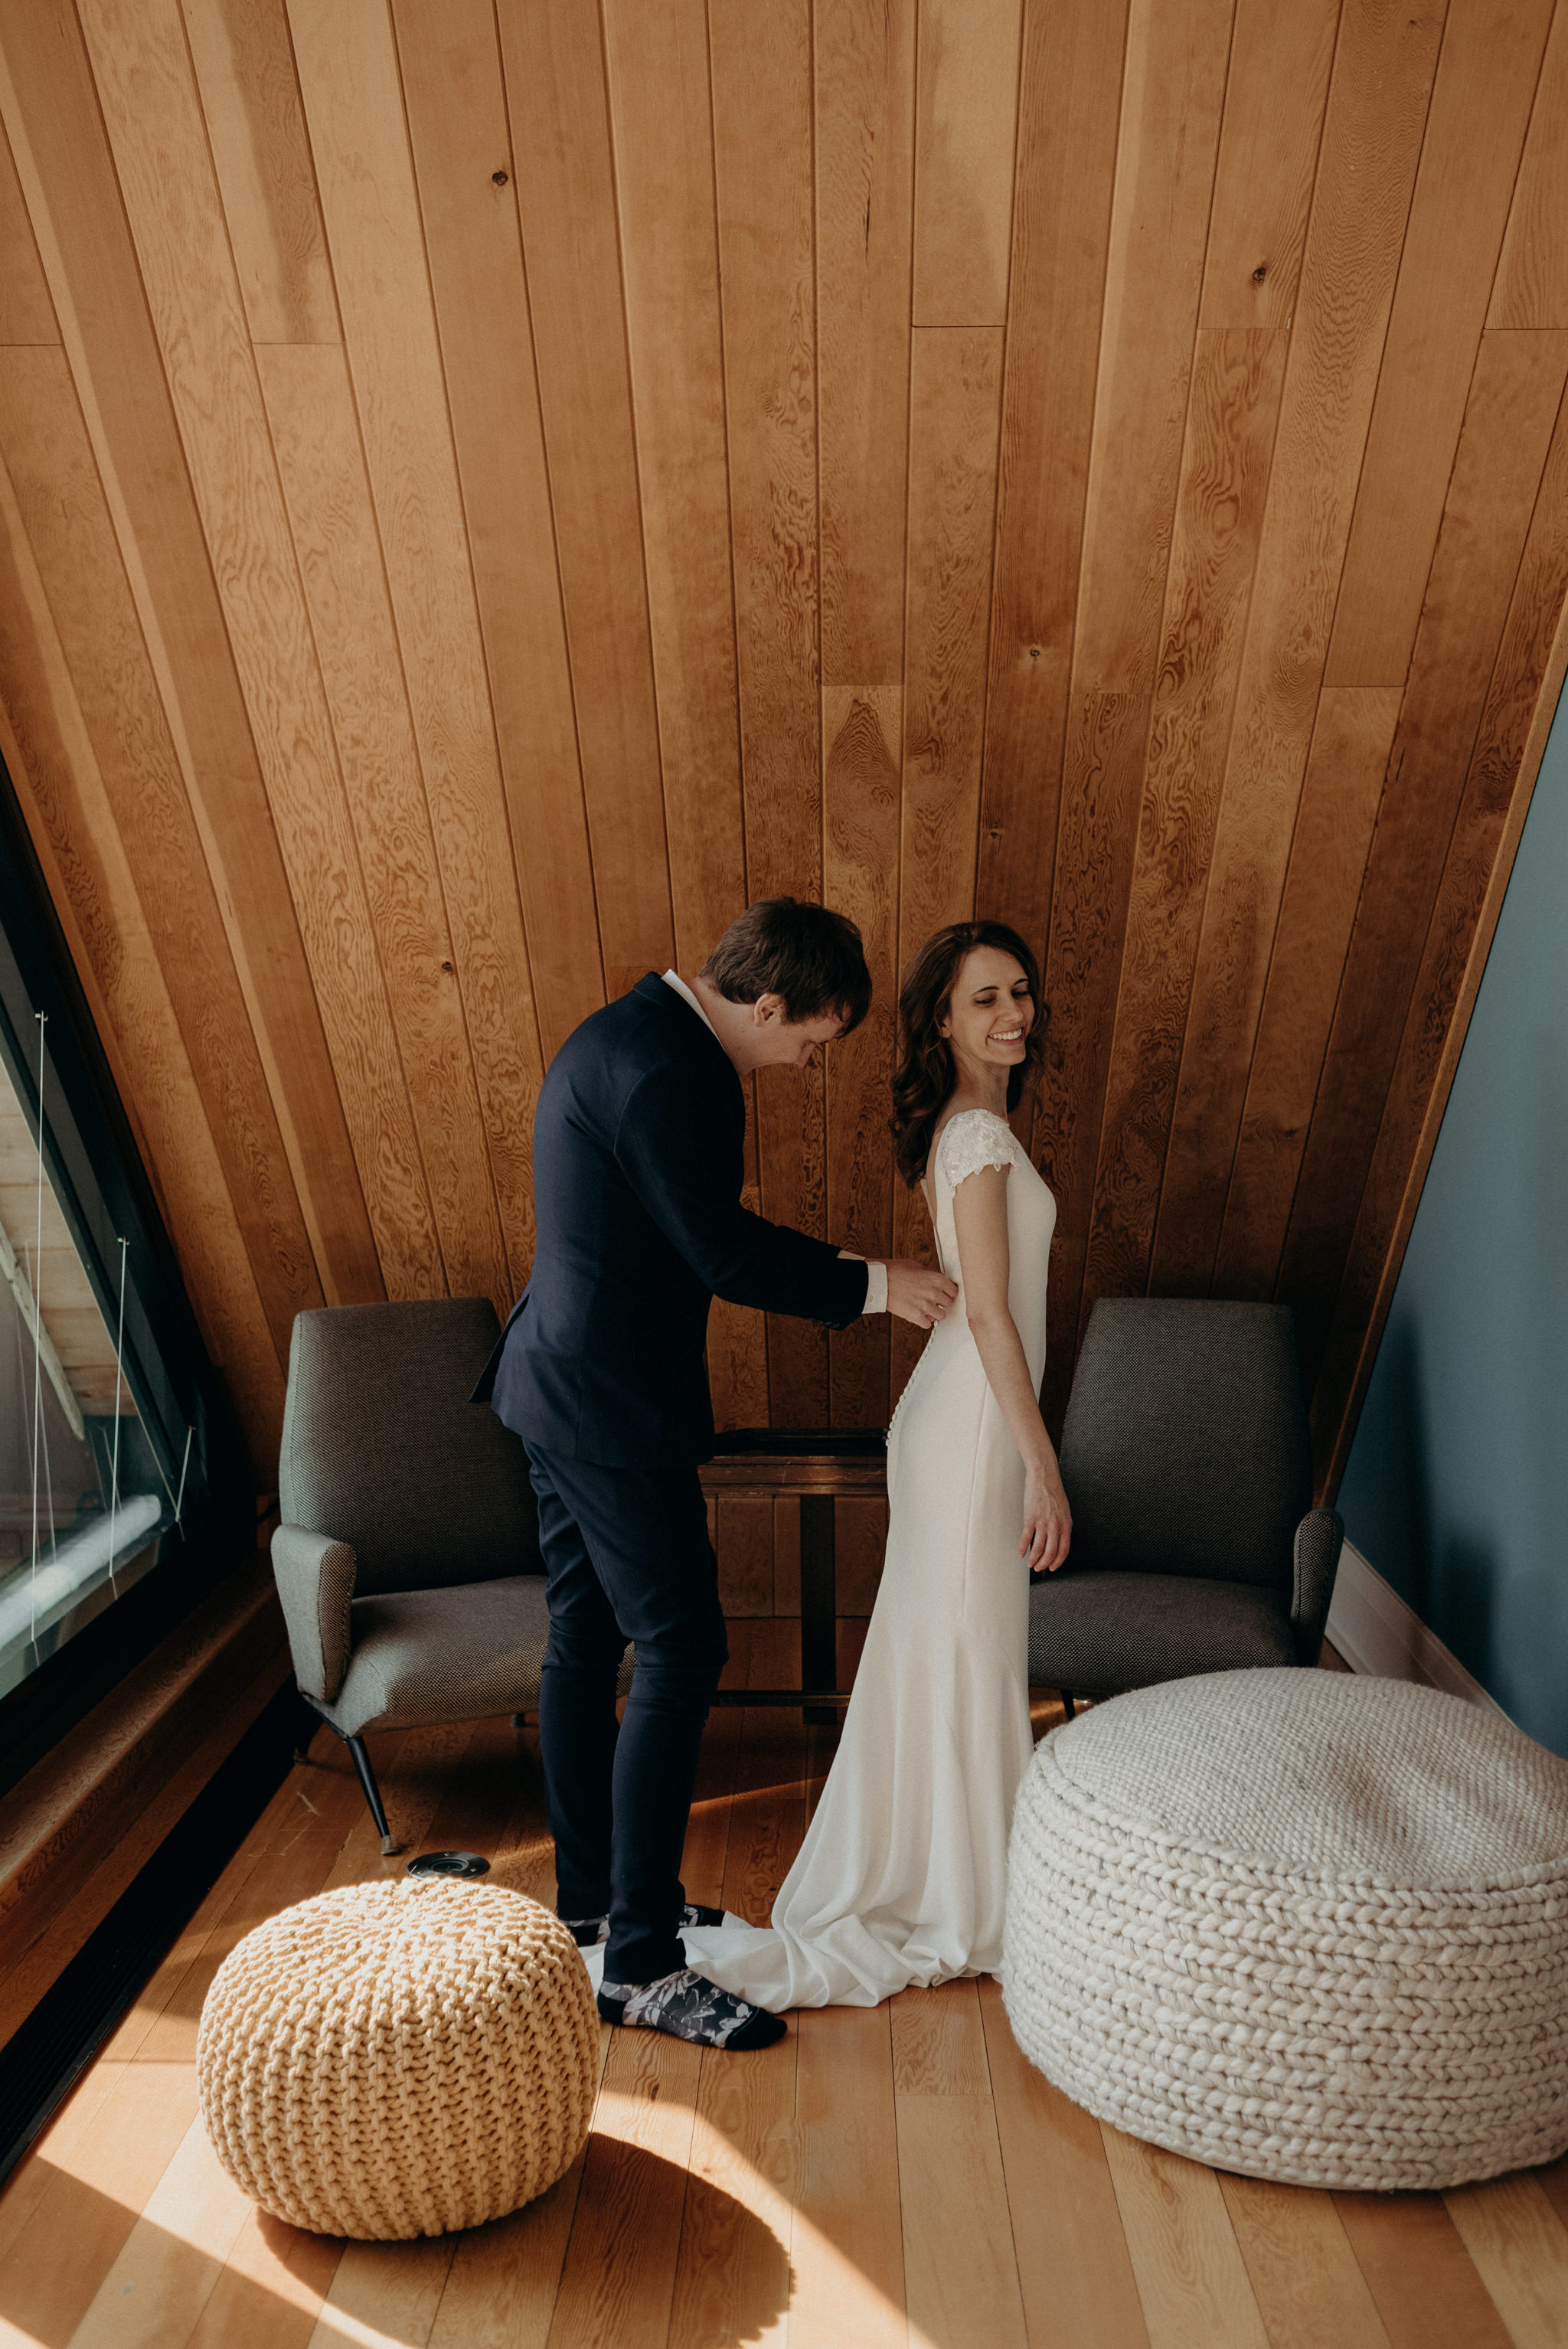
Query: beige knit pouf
{"x": 398, "y": 2059}
{"x": 1300, "y": 1924}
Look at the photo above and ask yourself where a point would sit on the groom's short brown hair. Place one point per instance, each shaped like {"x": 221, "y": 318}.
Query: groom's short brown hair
{"x": 807, "y": 955}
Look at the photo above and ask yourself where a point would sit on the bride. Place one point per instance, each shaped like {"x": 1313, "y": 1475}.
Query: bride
{"x": 902, "y": 1877}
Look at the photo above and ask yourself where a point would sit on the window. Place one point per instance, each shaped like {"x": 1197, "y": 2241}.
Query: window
{"x": 84, "y": 1501}
{"x": 118, "y": 1455}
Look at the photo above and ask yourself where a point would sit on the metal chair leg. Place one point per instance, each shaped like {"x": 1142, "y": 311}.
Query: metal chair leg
{"x": 372, "y": 1796}
{"x": 1067, "y": 1708}
{"x": 367, "y": 1776}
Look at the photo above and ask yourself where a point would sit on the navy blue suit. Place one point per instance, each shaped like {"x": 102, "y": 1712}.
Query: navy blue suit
{"x": 638, "y": 1144}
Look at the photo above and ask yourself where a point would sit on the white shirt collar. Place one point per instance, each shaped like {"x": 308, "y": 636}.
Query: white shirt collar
{"x": 672, "y": 978}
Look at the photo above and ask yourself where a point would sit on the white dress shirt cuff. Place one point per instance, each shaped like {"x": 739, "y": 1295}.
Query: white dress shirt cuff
{"x": 876, "y": 1282}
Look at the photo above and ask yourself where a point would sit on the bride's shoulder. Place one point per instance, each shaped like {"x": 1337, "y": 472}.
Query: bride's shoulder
{"x": 973, "y": 1139}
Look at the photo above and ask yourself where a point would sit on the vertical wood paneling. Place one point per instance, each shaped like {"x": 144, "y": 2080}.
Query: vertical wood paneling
{"x": 1219, "y": 514}
{"x": 662, "y": 119}
{"x": 141, "y": 67}
{"x": 967, "y": 107}
{"x": 762, "y": 118}
{"x": 1532, "y": 288}
{"x": 56, "y": 134}
{"x": 354, "y": 103}
{"x": 1339, "y": 796}
{"x": 864, "y": 59}
{"x": 761, "y": 66}
{"x": 566, "y": 197}
{"x": 954, "y": 421}
{"x": 661, "y": 116}
{"x": 865, "y": 97}
{"x": 451, "y": 62}
{"x": 315, "y": 435}
{"x": 61, "y": 508}
{"x": 861, "y": 790}
{"x": 26, "y": 313}
{"x": 1069, "y": 106}
{"x": 1172, "y": 91}
{"x": 1366, "y": 167}
{"x": 260, "y": 151}
{"x": 1275, "y": 90}
{"x": 493, "y": 488}
{"x": 954, "y": 414}
{"x": 1470, "y": 155}
{"x": 1508, "y": 422}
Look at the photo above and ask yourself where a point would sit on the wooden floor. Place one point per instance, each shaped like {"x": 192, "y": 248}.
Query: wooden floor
{"x": 899, "y": 2176}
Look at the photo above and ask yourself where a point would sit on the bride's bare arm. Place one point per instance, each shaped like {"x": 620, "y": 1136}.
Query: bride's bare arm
{"x": 980, "y": 1219}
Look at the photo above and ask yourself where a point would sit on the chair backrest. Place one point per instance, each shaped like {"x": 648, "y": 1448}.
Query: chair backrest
{"x": 1186, "y": 1448}
{"x": 383, "y": 1448}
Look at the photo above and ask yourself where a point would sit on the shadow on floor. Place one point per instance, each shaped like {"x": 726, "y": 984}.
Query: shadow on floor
{"x": 77, "y": 2250}
{"x": 71, "y": 2247}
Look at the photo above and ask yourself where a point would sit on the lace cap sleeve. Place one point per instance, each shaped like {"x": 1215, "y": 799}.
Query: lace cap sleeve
{"x": 973, "y": 1139}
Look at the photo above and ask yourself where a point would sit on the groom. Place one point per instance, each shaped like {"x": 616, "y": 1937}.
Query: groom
{"x": 638, "y": 1168}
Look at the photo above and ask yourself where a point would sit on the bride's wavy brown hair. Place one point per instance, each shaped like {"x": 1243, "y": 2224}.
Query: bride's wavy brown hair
{"x": 926, "y": 1074}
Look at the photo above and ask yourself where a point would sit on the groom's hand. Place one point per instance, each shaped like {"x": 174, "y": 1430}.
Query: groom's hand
{"x": 917, "y": 1293}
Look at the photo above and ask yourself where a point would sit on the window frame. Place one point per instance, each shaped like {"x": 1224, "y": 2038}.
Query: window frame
{"x": 103, "y": 1191}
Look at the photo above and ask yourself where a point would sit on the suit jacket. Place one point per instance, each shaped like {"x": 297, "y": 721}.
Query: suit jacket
{"x": 638, "y": 1162}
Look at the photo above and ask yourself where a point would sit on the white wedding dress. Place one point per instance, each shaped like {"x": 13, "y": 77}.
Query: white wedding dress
{"x": 903, "y": 1875}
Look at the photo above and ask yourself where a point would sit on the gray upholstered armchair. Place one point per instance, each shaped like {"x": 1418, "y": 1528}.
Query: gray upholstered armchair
{"x": 407, "y": 1558}
{"x": 1187, "y": 1462}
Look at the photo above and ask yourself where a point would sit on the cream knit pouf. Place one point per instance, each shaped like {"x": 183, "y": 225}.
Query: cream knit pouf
{"x": 398, "y": 2059}
{"x": 1300, "y": 1924}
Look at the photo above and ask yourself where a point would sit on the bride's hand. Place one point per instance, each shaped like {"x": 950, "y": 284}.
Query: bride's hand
{"x": 1048, "y": 1523}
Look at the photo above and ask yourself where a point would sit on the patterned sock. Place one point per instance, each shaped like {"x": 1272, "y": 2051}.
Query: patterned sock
{"x": 685, "y": 2005}
{"x": 694, "y": 1913}
{"x": 586, "y": 1932}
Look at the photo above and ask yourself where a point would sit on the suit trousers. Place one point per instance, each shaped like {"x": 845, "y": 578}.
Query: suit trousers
{"x": 627, "y": 1557}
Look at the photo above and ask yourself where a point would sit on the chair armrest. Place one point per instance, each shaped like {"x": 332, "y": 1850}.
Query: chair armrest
{"x": 1319, "y": 1538}
{"x": 314, "y": 1575}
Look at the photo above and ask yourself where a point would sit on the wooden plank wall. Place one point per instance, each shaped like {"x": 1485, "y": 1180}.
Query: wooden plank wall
{"x": 485, "y": 489}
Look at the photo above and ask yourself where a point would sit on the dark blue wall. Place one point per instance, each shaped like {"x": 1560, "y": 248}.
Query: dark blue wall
{"x": 1457, "y": 1485}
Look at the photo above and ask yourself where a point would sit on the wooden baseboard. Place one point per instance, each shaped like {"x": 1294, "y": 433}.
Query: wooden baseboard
{"x": 83, "y": 1822}
{"x": 1377, "y": 1631}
